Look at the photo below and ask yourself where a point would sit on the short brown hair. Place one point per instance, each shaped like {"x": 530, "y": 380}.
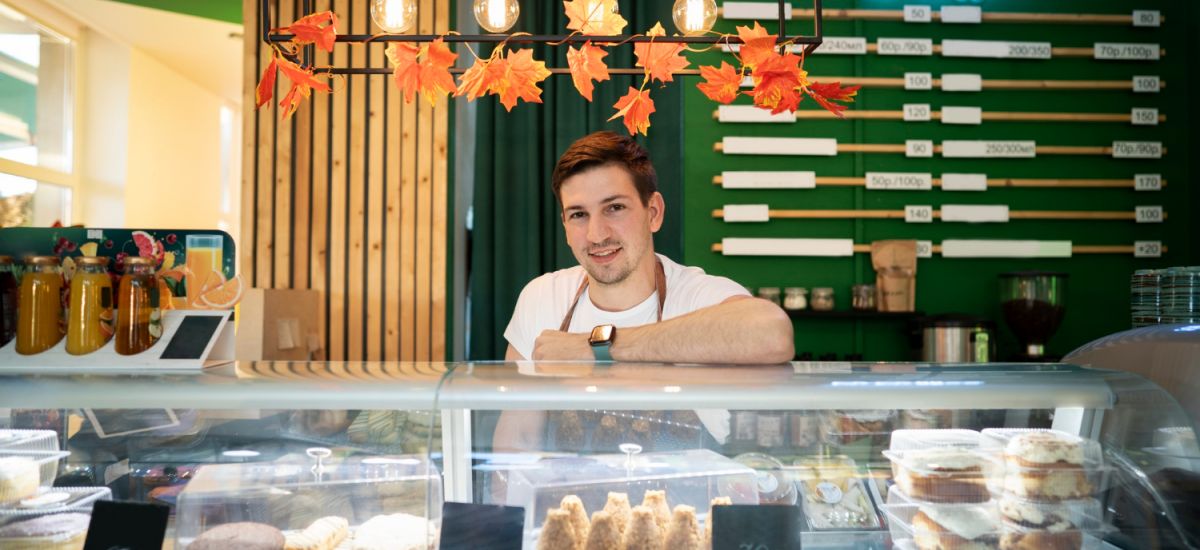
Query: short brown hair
{"x": 603, "y": 148}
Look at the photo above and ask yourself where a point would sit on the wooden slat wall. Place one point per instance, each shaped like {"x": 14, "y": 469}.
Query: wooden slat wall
{"x": 349, "y": 196}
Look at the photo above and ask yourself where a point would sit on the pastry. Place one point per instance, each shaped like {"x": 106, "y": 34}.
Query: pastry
{"x": 557, "y": 533}
{"x": 242, "y": 535}
{"x": 684, "y": 532}
{"x": 324, "y": 534}
{"x": 656, "y": 501}
{"x": 53, "y": 532}
{"x": 708, "y": 525}
{"x": 1030, "y": 526}
{"x": 604, "y": 534}
{"x": 941, "y": 474}
{"x": 19, "y": 477}
{"x": 926, "y": 419}
{"x": 578, "y": 519}
{"x": 1046, "y": 465}
{"x": 955, "y": 528}
{"x": 395, "y": 532}
{"x": 845, "y": 427}
{"x": 643, "y": 532}
{"x": 618, "y": 507}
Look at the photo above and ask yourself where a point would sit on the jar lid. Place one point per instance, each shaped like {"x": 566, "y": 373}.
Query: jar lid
{"x": 42, "y": 260}
{"x": 137, "y": 260}
{"x": 956, "y": 320}
{"x": 91, "y": 260}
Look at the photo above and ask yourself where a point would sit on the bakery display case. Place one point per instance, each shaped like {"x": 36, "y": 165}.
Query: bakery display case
{"x": 872, "y": 455}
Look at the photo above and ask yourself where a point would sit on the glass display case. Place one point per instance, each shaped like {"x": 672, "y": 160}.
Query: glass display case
{"x": 873, "y": 455}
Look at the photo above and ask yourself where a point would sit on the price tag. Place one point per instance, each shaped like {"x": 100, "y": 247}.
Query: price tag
{"x": 1145, "y": 84}
{"x": 918, "y": 14}
{"x": 470, "y": 526}
{"x": 988, "y": 149}
{"x": 1149, "y": 214}
{"x": 962, "y": 82}
{"x": 1125, "y": 52}
{"x": 918, "y": 148}
{"x": 996, "y": 49}
{"x": 1147, "y": 249}
{"x": 93, "y": 234}
{"x": 924, "y": 249}
{"x": 843, "y": 45}
{"x": 962, "y": 115}
{"x": 918, "y": 214}
{"x": 1147, "y": 18}
{"x": 1147, "y": 182}
{"x": 964, "y": 182}
{"x": 1137, "y": 149}
{"x": 916, "y": 112}
{"x": 1144, "y": 116}
{"x": 918, "y": 81}
{"x": 747, "y": 213}
{"x": 905, "y": 46}
{"x": 743, "y": 527}
{"x": 111, "y": 522}
{"x": 899, "y": 181}
{"x": 962, "y": 14}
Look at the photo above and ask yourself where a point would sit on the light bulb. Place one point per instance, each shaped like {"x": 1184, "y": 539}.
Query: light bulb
{"x": 394, "y": 16}
{"x": 497, "y": 16}
{"x": 693, "y": 17}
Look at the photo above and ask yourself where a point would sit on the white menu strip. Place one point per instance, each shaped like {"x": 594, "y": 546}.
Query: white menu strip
{"x": 747, "y": 213}
{"x": 963, "y": 248}
{"x": 754, "y": 10}
{"x": 975, "y": 213}
{"x": 962, "y": 14}
{"x": 962, "y": 83}
{"x": 1125, "y": 52}
{"x": 996, "y": 49}
{"x": 901, "y": 181}
{"x": 750, "y": 113}
{"x": 988, "y": 149}
{"x": 964, "y": 182}
{"x": 787, "y": 247}
{"x": 962, "y": 115}
{"x": 822, "y": 147}
{"x": 842, "y": 45}
{"x": 904, "y": 46}
{"x": 769, "y": 180}
{"x": 1137, "y": 149}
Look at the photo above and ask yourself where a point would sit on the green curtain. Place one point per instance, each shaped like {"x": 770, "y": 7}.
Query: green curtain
{"x": 517, "y": 233}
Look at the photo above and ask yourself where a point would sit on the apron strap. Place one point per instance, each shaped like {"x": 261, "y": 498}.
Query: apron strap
{"x": 660, "y": 286}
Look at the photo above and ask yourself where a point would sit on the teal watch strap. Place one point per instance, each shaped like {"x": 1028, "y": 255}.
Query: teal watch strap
{"x": 602, "y": 352}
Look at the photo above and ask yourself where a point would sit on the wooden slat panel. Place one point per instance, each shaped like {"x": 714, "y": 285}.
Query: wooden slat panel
{"x": 264, "y": 234}
{"x": 337, "y": 202}
{"x": 281, "y": 265}
{"x": 408, "y": 234}
{"x": 437, "y": 270}
{"x": 250, "y": 75}
{"x": 318, "y": 257}
{"x": 374, "y": 289}
{"x": 356, "y": 187}
{"x": 424, "y": 198}
{"x": 301, "y": 215}
{"x": 395, "y": 148}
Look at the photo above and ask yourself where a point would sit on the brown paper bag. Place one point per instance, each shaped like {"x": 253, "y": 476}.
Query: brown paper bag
{"x": 895, "y": 265}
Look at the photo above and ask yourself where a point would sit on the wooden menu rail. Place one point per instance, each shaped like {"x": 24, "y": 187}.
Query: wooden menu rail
{"x": 986, "y": 16}
{"x": 1057, "y": 183}
{"x": 899, "y": 214}
{"x": 991, "y": 116}
{"x": 899, "y": 148}
{"x": 995, "y": 84}
{"x": 1075, "y": 249}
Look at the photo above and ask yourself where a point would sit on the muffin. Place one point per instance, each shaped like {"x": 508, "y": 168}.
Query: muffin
{"x": 1046, "y": 465}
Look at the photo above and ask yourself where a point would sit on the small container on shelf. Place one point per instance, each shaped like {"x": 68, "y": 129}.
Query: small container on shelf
{"x": 908, "y": 439}
{"x": 23, "y": 472}
{"x": 771, "y": 428}
{"x": 745, "y": 428}
{"x": 804, "y": 430}
{"x": 54, "y": 500}
{"x": 28, "y": 440}
{"x": 835, "y": 496}
{"x": 846, "y": 427}
{"x": 774, "y": 485}
{"x": 770, "y": 293}
{"x": 863, "y": 297}
{"x": 795, "y": 298}
{"x": 1046, "y": 465}
{"x": 926, "y": 419}
{"x": 822, "y": 299}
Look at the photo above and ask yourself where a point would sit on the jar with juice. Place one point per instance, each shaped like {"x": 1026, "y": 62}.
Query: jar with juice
{"x": 90, "y": 315}
{"x": 39, "y": 306}
{"x": 8, "y": 301}
{"x": 139, "y": 323}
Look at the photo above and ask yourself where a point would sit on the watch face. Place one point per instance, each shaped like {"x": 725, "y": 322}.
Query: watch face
{"x": 601, "y": 335}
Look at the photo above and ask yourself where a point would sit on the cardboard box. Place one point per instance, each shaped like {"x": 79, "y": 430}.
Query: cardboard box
{"x": 280, "y": 325}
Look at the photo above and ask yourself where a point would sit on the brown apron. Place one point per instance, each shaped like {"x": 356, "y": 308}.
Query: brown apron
{"x": 660, "y": 286}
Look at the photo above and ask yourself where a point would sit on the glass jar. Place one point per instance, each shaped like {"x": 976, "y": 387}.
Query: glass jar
{"x": 770, "y": 430}
{"x": 822, "y": 299}
{"x": 770, "y": 293}
{"x": 89, "y": 318}
{"x": 8, "y": 301}
{"x": 745, "y": 427}
{"x": 863, "y": 297}
{"x": 795, "y": 299}
{"x": 39, "y": 313}
{"x": 139, "y": 322}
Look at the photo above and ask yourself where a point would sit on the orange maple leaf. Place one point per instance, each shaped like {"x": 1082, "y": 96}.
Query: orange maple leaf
{"x": 425, "y": 69}
{"x": 757, "y": 45}
{"x": 635, "y": 107}
{"x": 720, "y": 85}
{"x": 266, "y": 86}
{"x": 308, "y": 30}
{"x": 594, "y": 17}
{"x": 827, "y": 94}
{"x": 659, "y": 59}
{"x": 483, "y": 78}
{"x": 521, "y": 76}
{"x": 303, "y": 82}
{"x": 777, "y": 83}
{"x": 403, "y": 57}
{"x": 587, "y": 64}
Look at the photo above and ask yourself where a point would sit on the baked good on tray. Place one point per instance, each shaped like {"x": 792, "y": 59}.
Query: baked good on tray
{"x": 324, "y": 534}
{"x": 1030, "y": 525}
{"x": 244, "y": 535}
{"x": 955, "y": 528}
{"x": 1046, "y": 465}
{"x": 942, "y": 474}
{"x": 52, "y": 532}
{"x": 19, "y": 477}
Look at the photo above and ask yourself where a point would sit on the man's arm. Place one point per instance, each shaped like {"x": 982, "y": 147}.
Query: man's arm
{"x": 740, "y": 330}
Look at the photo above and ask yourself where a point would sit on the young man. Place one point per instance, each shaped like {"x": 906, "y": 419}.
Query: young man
{"x": 624, "y": 302}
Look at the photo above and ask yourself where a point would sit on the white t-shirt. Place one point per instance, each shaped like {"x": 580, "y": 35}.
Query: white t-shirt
{"x": 545, "y": 300}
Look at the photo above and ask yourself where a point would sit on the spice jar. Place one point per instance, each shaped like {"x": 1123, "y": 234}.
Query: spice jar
{"x": 795, "y": 298}
{"x": 770, "y": 293}
{"x": 822, "y": 299}
{"x": 863, "y": 297}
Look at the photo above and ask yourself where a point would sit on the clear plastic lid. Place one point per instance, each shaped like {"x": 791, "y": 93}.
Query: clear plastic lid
{"x": 835, "y": 496}
{"x": 55, "y": 500}
{"x": 28, "y": 440}
{"x": 46, "y": 461}
{"x": 944, "y": 474}
{"x": 1039, "y": 449}
{"x": 847, "y": 426}
{"x": 903, "y": 440}
{"x": 968, "y": 522}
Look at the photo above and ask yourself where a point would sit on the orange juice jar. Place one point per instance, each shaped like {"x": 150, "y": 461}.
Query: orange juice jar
{"x": 89, "y": 319}
{"x": 39, "y": 306}
{"x": 8, "y": 301}
{"x": 139, "y": 322}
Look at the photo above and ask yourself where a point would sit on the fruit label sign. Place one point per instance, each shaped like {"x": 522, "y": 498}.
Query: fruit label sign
{"x": 126, "y": 525}
{"x": 468, "y": 526}
{"x": 747, "y": 527}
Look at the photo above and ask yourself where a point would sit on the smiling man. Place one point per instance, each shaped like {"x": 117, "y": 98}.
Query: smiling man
{"x": 624, "y": 302}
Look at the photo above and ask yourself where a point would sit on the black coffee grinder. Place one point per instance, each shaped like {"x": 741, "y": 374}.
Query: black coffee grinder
{"x": 1034, "y": 303}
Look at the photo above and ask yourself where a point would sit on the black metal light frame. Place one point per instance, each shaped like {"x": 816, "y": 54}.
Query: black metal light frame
{"x": 810, "y": 42}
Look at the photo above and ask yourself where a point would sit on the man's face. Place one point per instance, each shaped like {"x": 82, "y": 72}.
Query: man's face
{"x": 608, "y": 228}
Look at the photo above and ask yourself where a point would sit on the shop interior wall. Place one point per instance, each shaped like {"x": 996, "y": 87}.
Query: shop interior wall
{"x": 1098, "y": 291}
{"x": 349, "y": 196}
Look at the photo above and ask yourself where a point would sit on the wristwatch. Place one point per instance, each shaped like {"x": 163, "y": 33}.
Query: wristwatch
{"x": 601, "y": 341}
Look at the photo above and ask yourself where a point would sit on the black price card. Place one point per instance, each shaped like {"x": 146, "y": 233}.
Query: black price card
{"x": 192, "y": 337}
{"x": 126, "y": 526}
{"x": 481, "y": 527}
{"x": 741, "y": 527}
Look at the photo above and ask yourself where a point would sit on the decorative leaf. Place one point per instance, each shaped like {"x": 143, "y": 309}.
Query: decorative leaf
{"x": 659, "y": 59}
{"x": 594, "y": 17}
{"x": 403, "y": 57}
{"x": 587, "y": 64}
{"x": 435, "y": 77}
{"x": 757, "y": 45}
{"x": 521, "y": 76}
{"x": 483, "y": 78}
{"x": 308, "y": 30}
{"x": 635, "y": 107}
{"x": 303, "y": 82}
{"x": 266, "y": 86}
{"x": 777, "y": 83}
{"x": 827, "y": 94}
{"x": 720, "y": 85}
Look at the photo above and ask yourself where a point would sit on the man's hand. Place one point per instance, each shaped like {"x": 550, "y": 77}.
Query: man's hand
{"x": 562, "y": 346}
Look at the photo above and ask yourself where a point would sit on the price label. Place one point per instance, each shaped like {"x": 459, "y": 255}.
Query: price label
{"x": 988, "y": 149}
{"x": 472, "y": 526}
{"x": 1147, "y": 18}
{"x": 996, "y": 49}
{"x": 1146, "y": 84}
{"x": 918, "y": 214}
{"x": 1149, "y": 214}
{"x": 916, "y": 112}
{"x": 962, "y": 14}
{"x": 905, "y": 46}
{"x": 1145, "y": 116}
{"x": 843, "y": 45}
{"x": 1147, "y": 249}
{"x": 1029, "y": 50}
{"x": 1137, "y": 149}
{"x": 1147, "y": 182}
{"x": 920, "y": 14}
{"x": 918, "y": 148}
{"x": 744, "y": 527}
{"x": 1125, "y": 52}
{"x": 899, "y": 181}
{"x": 918, "y": 81}
{"x": 924, "y": 249}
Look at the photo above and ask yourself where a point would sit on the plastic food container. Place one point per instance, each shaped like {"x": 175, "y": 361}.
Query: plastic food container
{"x": 943, "y": 474}
{"x": 28, "y": 440}
{"x": 16, "y": 487}
{"x": 55, "y": 500}
{"x": 773, "y": 483}
{"x": 926, "y": 419}
{"x": 835, "y": 497}
{"x": 905, "y": 440}
{"x": 849, "y": 427}
{"x": 1046, "y": 465}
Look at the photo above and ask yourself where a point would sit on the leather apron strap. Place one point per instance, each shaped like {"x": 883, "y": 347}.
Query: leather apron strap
{"x": 660, "y": 286}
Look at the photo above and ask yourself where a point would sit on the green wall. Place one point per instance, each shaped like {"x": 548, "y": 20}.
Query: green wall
{"x": 1098, "y": 290}
{"x": 229, "y": 11}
